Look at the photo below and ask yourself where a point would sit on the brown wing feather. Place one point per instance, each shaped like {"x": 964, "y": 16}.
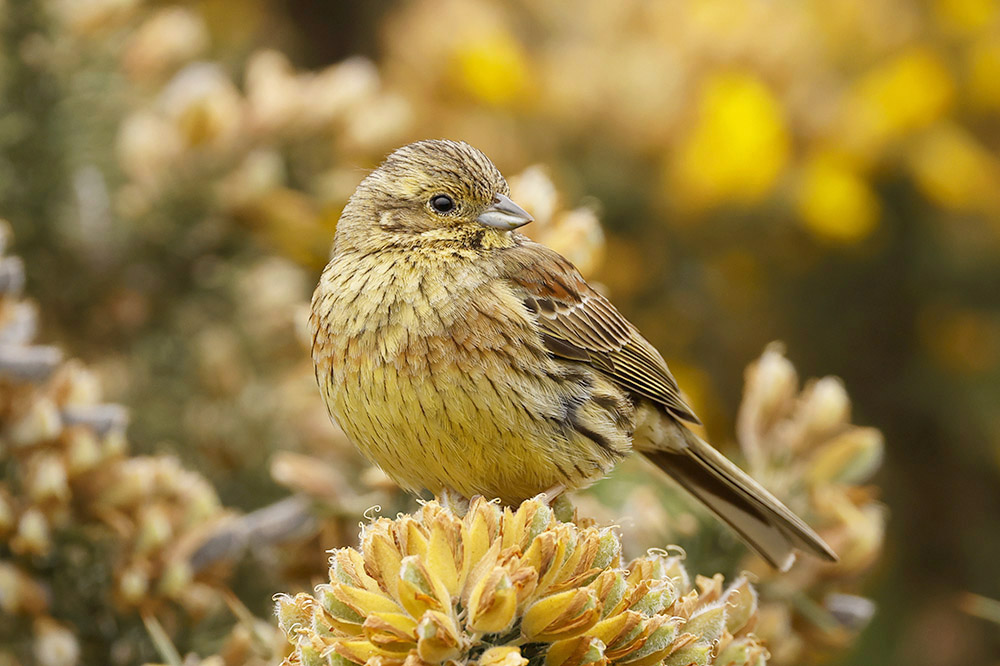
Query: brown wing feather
{"x": 579, "y": 324}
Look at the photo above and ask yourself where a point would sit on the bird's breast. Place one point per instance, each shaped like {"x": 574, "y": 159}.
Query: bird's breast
{"x": 415, "y": 314}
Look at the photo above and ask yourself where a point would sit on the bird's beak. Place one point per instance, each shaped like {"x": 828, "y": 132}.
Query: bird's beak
{"x": 504, "y": 214}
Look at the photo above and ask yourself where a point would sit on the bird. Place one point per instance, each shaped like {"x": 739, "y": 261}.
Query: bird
{"x": 460, "y": 356}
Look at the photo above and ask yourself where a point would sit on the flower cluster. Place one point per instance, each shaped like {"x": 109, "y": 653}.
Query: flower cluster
{"x": 806, "y": 105}
{"x": 508, "y": 587}
{"x": 81, "y": 519}
{"x": 804, "y": 446}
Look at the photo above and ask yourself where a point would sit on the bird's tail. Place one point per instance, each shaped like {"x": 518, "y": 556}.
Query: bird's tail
{"x": 767, "y": 525}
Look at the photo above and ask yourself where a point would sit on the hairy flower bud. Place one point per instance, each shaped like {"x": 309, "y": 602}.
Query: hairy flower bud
{"x": 436, "y": 587}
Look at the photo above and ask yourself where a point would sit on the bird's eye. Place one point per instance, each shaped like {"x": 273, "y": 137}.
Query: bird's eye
{"x": 442, "y": 203}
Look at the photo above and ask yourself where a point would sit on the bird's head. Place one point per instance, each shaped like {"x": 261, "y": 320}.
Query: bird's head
{"x": 431, "y": 192}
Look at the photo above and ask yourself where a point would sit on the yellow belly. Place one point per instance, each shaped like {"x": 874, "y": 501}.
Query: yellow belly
{"x": 454, "y": 430}
{"x": 441, "y": 393}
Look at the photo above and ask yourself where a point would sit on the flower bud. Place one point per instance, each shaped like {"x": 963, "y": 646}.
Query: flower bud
{"x": 204, "y": 105}
{"x": 19, "y": 593}
{"x": 741, "y": 605}
{"x": 384, "y": 629}
{"x": 850, "y": 458}
{"x": 610, "y": 587}
{"x": 442, "y": 551}
{"x": 39, "y": 424}
{"x": 577, "y": 651}
{"x": 650, "y": 597}
{"x": 825, "y": 406}
{"x": 55, "y": 645}
{"x": 83, "y": 451}
{"x": 294, "y": 613}
{"x": 175, "y": 579}
{"x": 155, "y": 529}
{"x": 133, "y": 584}
{"x": 707, "y": 623}
{"x": 561, "y": 615}
{"x": 492, "y": 603}
{"x": 310, "y": 655}
{"x": 479, "y": 530}
{"x": 337, "y": 88}
{"x": 47, "y": 480}
{"x": 697, "y": 654}
{"x": 113, "y": 444}
{"x": 147, "y": 146}
{"x": 274, "y": 92}
{"x": 384, "y": 559}
{"x": 864, "y": 529}
{"x": 745, "y": 651}
{"x": 33, "y": 536}
{"x": 348, "y": 567}
{"x": 619, "y": 630}
{"x": 419, "y": 590}
{"x": 350, "y": 603}
{"x": 75, "y": 384}
{"x": 522, "y": 527}
{"x": 169, "y": 37}
{"x": 609, "y": 550}
{"x": 770, "y": 385}
{"x": 656, "y": 644}
{"x": 438, "y": 638}
{"x": 502, "y": 656}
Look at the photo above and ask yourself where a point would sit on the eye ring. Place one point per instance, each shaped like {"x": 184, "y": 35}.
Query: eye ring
{"x": 442, "y": 203}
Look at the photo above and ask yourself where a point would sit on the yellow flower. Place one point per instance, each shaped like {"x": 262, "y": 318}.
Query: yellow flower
{"x": 834, "y": 201}
{"x": 983, "y": 72}
{"x": 739, "y": 144}
{"x": 955, "y": 170}
{"x": 965, "y": 16}
{"x": 501, "y": 587}
{"x": 905, "y": 94}
{"x": 492, "y": 68}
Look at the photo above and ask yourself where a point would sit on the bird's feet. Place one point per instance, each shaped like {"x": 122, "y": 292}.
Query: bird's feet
{"x": 558, "y": 500}
{"x": 551, "y": 494}
{"x": 454, "y": 501}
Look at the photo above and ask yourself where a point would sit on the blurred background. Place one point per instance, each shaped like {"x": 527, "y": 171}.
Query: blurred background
{"x": 731, "y": 172}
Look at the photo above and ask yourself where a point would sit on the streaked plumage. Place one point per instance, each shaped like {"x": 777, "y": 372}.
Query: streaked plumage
{"x": 457, "y": 353}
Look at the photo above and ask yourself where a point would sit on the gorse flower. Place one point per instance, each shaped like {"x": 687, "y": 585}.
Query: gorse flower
{"x": 805, "y": 446}
{"x": 509, "y": 587}
{"x": 86, "y": 530}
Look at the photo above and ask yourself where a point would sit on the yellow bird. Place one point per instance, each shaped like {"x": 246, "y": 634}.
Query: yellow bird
{"x": 459, "y": 355}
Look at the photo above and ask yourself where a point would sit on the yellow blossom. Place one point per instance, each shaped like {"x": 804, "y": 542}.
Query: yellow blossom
{"x": 895, "y": 98}
{"x": 501, "y": 587}
{"x": 983, "y": 72}
{"x": 739, "y": 144}
{"x": 965, "y": 16}
{"x": 491, "y": 67}
{"x": 834, "y": 201}
{"x": 956, "y": 171}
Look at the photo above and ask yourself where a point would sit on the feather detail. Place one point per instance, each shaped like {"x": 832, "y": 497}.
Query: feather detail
{"x": 578, "y": 324}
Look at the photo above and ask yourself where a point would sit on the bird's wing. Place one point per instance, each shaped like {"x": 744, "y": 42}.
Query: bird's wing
{"x": 579, "y": 324}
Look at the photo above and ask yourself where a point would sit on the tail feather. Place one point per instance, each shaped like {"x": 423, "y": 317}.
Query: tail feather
{"x": 767, "y": 525}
